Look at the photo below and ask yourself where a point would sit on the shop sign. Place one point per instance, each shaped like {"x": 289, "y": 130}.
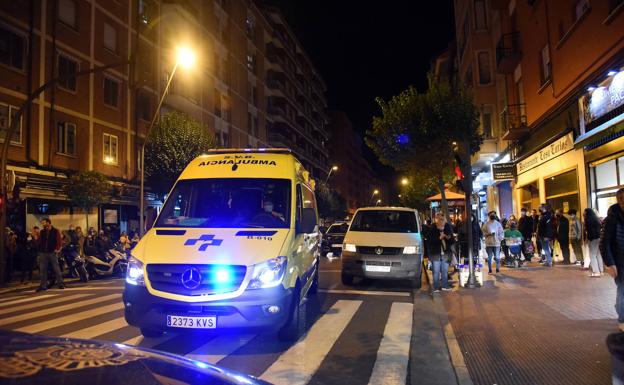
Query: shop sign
{"x": 553, "y": 150}
{"x": 602, "y": 99}
{"x": 503, "y": 171}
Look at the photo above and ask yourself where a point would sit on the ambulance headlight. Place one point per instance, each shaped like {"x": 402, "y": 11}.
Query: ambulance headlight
{"x": 268, "y": 274}
{"x": 134, "y": 273}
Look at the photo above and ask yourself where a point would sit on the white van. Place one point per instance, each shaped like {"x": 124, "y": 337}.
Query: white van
{"x": 236, "y": 245}
{"x": 383, "y": 243}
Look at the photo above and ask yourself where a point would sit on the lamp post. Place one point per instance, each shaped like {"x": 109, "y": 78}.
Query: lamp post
{"x": 375, "y": 192}
{"x": 378, "y": 202}
{"x": 185, "y": 58}
{"x": 334, "y": 168}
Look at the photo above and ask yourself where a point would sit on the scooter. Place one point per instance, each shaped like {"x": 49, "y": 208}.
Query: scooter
{"x": 114, "y": 262}
{"x": 75, "y": 262}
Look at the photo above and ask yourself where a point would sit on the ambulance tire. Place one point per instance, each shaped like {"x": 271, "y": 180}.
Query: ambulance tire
{"x": 151, "y": 333}
{"x": 296, "y": 323}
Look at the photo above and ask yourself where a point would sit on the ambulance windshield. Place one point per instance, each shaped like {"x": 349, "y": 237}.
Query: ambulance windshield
{"x": 228, "y": 203}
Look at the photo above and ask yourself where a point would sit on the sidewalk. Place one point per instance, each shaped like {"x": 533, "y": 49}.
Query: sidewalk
{"x": 535, "y": 326}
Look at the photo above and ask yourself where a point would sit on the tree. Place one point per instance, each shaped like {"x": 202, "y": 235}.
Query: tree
{"x": 174, "y": 142}
{"x": 87, "y": 189}
{"x": 330, "y": 203}
{"x": 416, "y": 131}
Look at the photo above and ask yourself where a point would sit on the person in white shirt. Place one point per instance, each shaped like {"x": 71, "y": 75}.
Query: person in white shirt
{"x": 493, "y": 233}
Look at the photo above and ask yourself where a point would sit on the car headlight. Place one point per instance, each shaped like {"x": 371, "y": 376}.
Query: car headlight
{"x": 411, "y": 249}
{"x": 268, "y": 274}
{"x": 349, "y": 247}
{"x": 134, "y": 272}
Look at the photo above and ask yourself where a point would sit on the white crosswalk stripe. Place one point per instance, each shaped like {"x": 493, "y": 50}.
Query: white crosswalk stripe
{"x": 217, "y": 349}
{"x": 148, "y": 342}
{"x": 298, "y": 364}
{"x": 21, "y": 299}
{"x": 96, "y": 330}
{"x": 71, "y": 318}
{"x": 51, "y": 301}
{"x": 393, "y": 354}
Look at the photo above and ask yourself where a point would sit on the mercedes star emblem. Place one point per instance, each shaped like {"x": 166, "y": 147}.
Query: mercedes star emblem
{"x": 191, "y": 278}
{"x": 379, "y": 251}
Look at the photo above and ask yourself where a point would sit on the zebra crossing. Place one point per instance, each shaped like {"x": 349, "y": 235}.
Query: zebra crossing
{"x": 382, "y": 354}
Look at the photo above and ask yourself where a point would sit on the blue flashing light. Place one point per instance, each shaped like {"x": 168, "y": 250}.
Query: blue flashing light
{"x": 222, "y": 275}
{"x": 402, "y": 139}
{"x": 612, "y": 73}
{"x": 200, "y": 364}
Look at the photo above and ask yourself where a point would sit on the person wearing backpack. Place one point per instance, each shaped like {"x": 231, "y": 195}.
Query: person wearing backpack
{"x": 592, "y": 238}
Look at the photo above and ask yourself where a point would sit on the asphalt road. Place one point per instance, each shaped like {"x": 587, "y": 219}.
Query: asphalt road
{"x": 356, "y": 335}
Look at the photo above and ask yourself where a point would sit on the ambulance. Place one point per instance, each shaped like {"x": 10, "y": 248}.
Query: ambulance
{"x": 236, "y": 245}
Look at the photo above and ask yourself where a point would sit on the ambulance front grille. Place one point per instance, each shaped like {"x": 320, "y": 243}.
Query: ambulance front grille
{"x": 168, "y": 278}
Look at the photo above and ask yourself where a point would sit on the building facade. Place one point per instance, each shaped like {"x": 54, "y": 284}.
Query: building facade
{"x": 98, "y": 121}
{"x": 354, "y": 180}
{"x": 559, "y": 100}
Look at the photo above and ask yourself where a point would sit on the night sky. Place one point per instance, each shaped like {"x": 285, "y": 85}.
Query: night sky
{"x": 369, "y": 49}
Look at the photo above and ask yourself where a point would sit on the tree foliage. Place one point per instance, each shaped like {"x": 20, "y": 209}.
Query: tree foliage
{"x": 174, "y": 142}
{"x": 87, "y": 189}
{"x": 416, "y": 131}
{"x": 330, "y": 203}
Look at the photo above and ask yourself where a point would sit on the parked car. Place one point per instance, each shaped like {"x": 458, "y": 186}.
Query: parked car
{"x": 34, "y": 359}
{"x": 333, "y": 238}
{"x": 383, "y": 243}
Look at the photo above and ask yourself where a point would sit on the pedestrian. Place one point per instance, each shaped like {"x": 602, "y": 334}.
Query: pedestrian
{"x": 546, "y": 232}
{"x": 81, "y": 239}
{"x": 592, "y": 239}
{"x": 438, "y": 241}
{"x": 576, "y": 236}
{"x": 90, "y": 245}
{"x": 494, "y": 234}
{"x": 563, "y": 235}
{"x": 124, "y": 241}
{"x": 10, "y": 246}
{"x": 612, "y": 250}
{"x": 102, "y": 243}
{"x": 525, "y": 226}
{"x": 538, "y": 245}
{"x": 513, "y": 240}
{"x": 29, "y": 257}
{"x": 50, "y": 244}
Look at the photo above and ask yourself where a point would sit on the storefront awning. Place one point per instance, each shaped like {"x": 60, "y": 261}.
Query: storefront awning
{"x": 600, "y": 133}
{"x": 450, "y": 196}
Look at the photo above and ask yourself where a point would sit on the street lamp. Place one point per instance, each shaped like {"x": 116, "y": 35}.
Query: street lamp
{"x": 334, "y": 168}
{"x": 185, "y": 57}
{"x": 378, "y": 202}
{"x": 375, "y": 192}
{"x": 404, "y": 181}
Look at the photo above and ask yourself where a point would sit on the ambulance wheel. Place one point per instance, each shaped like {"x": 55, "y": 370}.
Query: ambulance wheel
{"x": 295, "y": 325}
{"x": 151, "y": 333}
{"x": 347, "y": 279}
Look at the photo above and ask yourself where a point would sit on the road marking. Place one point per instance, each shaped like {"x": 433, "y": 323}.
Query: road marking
{"x": 98, "y": 329}
{"x": 70, "y": 318}
{"x": 393, "y": 353}
{"x": 22, "y": 300}
{"x": 85, "y": 288}
{"x": 144, "y": 342}
{"x": 46, "y": 302}
{"x": 366, "y": 292}
{"x": 217, "y": 349}
{"x": 299, "y": 363}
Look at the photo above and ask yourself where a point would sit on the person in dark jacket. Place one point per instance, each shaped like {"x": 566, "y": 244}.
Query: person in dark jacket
{"x": 563, "y": 235}
{"x": 438, "y": 241}
{"x": 525, "y": 226}
{"x": 50, "y": 243}
{"x": 612, "y": 249}
{"x": 592, "y": 238}
{"x": 29, "y": 256}
{"x": 538, "y": 244}
{"x": 546, "y": 232}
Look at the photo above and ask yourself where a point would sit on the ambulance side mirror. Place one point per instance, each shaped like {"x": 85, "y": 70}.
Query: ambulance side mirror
{"x": 308, "y": 221}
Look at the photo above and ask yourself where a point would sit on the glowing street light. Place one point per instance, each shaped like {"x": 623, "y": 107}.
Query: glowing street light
{"x": 185, "y": 57}
{"x": 378, "y": 202}
{"x": 404, "y": 181}
{"x": 334, "y": 168}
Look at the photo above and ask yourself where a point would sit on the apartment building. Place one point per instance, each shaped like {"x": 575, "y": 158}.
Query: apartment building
{"x": 354, "y": 180}
{"x": 558, "y": 98}
{"x": 98, "y": 121}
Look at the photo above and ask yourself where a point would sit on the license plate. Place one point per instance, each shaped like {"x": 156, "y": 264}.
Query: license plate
{"x": 378, "y": 269}
{"x": 337, "y": 245}
{"x": 175, "y": 321}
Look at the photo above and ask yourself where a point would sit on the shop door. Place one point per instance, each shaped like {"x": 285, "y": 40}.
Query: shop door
{"x": 562, "y": 191}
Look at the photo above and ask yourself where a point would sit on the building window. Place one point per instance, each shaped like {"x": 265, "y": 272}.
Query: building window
{"x": 66, "y": 138}
{"x": 480, "y": 10}
{"x": 144, "y": 105}
{"x": 111, "y": 92}
{"x": 7, "y": 114}
{"x": 110, "y": 149}
{"x": 251, "y": 62}
{"x": 253, "y": 94}
{"x": 250, "y": 27}
{"x": 66, "y": 68}
{"x": 562, "y": 191}
{"x": 67, "y": 12}
{"x": 225, "y": 108}
{"x": 605, "y": 179}
{"x": 252, "y": 124}
{"x": 110, "y": 37}
{"x": 12, "y": 49}
{"x": 486, "y": 122}
{"x": 485, "y": 74}
{"x": 545, "y": 64}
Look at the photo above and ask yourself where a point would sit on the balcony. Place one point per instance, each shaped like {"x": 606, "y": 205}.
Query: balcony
{"x": 508, "y": 53}
{"x": 514, "y": 122}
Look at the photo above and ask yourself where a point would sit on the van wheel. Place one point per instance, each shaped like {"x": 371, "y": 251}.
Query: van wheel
{"x": 151, "y": 333}
{"x": 347, "y": 279}
{"x": 417, "y": 280}
{"x": 295, "y": 326}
